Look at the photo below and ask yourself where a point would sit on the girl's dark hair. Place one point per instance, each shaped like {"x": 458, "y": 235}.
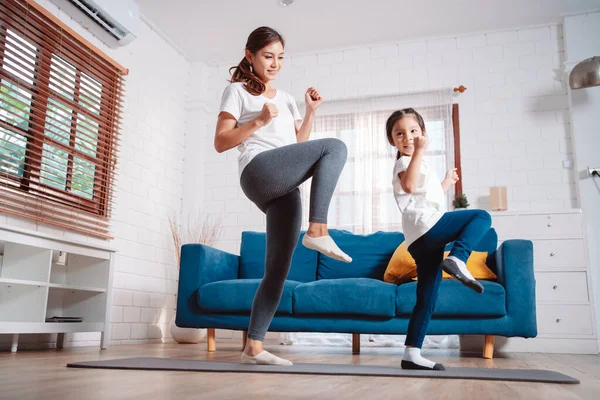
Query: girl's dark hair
{"x": 258, "y": 39}
{"x": 398, "y": 115}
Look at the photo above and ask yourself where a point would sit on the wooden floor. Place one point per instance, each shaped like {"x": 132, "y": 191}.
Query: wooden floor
{"x": 43, "y": 375}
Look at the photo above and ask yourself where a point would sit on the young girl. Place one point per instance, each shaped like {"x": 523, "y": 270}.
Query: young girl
{"x": 275, "y": 158}
{"x": 420, "y": 194}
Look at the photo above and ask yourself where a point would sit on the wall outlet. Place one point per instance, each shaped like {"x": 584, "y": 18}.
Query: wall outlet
{"x": 592, "y": 171}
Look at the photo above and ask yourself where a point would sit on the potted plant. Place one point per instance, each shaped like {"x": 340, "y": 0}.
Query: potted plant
{"x": 202, "y": 230}
{"x": 460, "y": 201}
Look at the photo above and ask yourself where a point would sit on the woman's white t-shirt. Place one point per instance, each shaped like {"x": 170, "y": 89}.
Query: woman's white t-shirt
{"x": 244, "y": 107}
{"x": 422, "y": 208}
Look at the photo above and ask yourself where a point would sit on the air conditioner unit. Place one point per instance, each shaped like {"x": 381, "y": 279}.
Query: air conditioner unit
{"x": 115, "y": 22}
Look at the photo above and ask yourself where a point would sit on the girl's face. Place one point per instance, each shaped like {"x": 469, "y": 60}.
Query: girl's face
{"x": 267, "y": 61}
{"x": 403, "y": 133}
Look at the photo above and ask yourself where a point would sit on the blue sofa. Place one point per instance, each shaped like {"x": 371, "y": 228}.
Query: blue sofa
{"x": 216, "y": 290}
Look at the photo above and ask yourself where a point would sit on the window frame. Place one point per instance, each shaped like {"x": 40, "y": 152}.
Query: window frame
{"x": 380, "y": 193}
{"x": 41, "y": 93}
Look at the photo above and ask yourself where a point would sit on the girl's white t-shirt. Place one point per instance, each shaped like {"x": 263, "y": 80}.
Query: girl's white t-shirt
{"x": 422, "y": 208}
{"x": 244, "y": 107}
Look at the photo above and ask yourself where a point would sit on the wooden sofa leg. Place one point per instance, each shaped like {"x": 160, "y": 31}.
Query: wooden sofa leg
{"x": 356, "y": 343}
{"x": 244, "y": 339}
{"x": 210, "y": 339}
{"x": 488, "y": 348}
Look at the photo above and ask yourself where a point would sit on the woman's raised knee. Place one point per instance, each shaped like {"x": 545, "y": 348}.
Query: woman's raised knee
{"x": 335, "y": 145}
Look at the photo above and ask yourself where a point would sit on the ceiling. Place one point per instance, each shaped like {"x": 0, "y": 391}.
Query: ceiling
{"x": 216, "y": 30}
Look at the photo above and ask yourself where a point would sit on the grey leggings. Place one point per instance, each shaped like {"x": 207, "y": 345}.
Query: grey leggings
{"x": 271, "y": 182}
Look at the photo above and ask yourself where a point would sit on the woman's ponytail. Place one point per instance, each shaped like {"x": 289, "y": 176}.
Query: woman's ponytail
{"x": 244, "y": 73}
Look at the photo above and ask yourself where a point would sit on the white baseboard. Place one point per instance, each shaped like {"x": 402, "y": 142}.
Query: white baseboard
{"x": 468, "y": 343}
{"x": 534, "y": 345}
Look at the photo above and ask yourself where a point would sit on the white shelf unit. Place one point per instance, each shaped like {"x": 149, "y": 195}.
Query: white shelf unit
{"x": 42, "y": 276}
{"x": 564, "y": 298}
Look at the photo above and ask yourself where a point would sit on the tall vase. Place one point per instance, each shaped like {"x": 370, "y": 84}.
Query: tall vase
{"x": 186, "y": 335}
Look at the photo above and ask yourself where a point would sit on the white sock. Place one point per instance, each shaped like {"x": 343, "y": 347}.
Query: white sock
{"x": 462, "y": 266}
{"x": 264, "y": 358}
{"x": 413, "y": 354}
{"x": 327, "y": 246}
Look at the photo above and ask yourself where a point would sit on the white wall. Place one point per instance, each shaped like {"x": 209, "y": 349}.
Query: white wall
{"x": 197, "y": 114}
{"x": 582, "y": 33}
{"x": 149, "y": 189}
{"x": 514, "y": 115}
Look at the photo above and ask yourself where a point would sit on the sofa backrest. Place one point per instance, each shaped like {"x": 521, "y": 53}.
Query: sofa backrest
{"x": 370, "y": 255}
{"x": 252, "y": 259}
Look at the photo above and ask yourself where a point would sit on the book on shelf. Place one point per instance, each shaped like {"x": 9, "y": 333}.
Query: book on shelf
{"x": 65, "y": 319}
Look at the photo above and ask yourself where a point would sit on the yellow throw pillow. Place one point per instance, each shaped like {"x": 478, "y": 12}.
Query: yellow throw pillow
{"x": 402, "y": 266}
{"x": 476, "y": 266}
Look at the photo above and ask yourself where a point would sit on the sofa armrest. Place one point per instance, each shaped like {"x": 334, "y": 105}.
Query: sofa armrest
{"x": 200, "y": 265}
{"x": 514, "y": 261}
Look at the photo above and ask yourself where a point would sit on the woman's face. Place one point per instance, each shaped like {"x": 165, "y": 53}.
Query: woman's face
{"x": 267, "y": 61}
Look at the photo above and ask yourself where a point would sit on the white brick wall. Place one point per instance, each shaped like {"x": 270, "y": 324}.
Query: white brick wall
{"x": 149, "y": 189}
{"x": 514, "y": 126}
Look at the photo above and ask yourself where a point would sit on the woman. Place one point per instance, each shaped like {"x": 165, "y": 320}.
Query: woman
{"x": 275, "y": 158}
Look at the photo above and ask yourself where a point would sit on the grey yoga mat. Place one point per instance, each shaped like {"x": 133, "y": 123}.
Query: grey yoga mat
{"x": 172, "y": 364}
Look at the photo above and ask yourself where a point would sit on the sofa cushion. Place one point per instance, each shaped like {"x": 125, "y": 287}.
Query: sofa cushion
{"x": 457, "y": 300}
{"x": 252, "y": 259}
{"x": 236, "y": 295}
{"x": 349, "y": 296}
{"x": 370, "y": 255}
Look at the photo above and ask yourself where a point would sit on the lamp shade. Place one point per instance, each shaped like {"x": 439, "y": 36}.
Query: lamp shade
{"x": 585, "y": 74}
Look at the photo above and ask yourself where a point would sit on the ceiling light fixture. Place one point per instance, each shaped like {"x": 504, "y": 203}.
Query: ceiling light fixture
{"x": 285, "y": 3}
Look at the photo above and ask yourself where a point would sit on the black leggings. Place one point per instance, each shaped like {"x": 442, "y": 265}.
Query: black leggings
{"x": 271, "y": 182}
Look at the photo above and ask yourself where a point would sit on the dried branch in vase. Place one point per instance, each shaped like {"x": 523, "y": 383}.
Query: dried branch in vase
{"x": 203, "y": 230}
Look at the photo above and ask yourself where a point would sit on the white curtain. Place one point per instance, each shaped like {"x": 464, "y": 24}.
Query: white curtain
{"x": 363, "y": 202}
